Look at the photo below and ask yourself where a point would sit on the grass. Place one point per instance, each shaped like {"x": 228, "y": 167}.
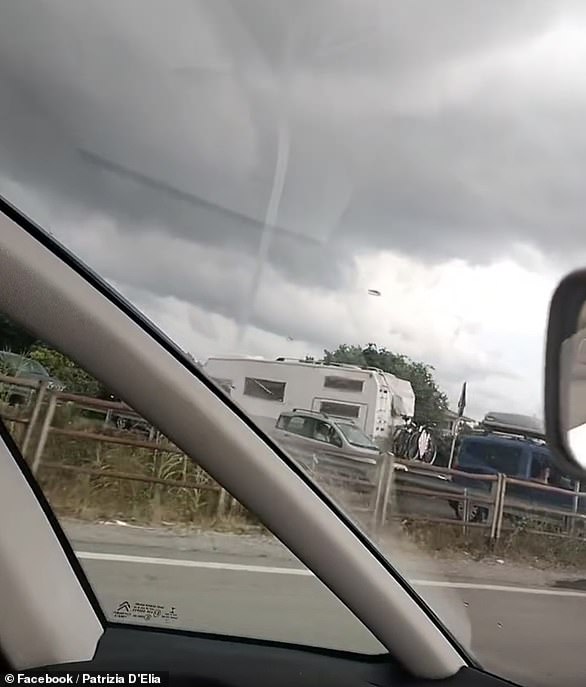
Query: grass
{"x": 542, "y": 547}
{"x": 106, "y": 497}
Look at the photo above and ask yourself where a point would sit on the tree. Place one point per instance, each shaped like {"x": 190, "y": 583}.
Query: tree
{"x": 430, "y": 402}
{"x": 75, "y": 379}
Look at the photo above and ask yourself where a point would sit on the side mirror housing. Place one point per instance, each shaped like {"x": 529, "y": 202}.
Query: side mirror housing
{"x": 565, "y": 375}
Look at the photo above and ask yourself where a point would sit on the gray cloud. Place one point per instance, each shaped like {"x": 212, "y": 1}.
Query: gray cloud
{"x": 435, "y": 130}
{"x": 190, "y": 101}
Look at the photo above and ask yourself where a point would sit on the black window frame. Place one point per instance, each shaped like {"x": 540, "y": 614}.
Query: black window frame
{"x": 338, "y": 404}
{"x": 344, "y": 384}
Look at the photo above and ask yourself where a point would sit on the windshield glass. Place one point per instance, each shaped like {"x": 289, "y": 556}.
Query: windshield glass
{"x": 355, "y": 436}
{"x": 358, "y": 209}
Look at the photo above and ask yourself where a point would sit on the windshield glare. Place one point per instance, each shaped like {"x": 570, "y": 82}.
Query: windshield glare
{"x": 358, "y": 210}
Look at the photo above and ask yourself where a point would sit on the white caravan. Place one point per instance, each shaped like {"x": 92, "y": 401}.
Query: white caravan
{"x": 263, "y": 388}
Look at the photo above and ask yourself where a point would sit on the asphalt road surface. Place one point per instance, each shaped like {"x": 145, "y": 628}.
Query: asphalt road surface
{"x": 533, "y": 635}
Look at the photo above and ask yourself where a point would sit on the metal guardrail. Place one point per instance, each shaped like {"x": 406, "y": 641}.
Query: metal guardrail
{"x": 381, "y": 491}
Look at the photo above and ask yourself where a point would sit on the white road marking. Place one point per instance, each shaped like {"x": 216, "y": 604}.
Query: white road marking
{"x": 303, "y": 572}
{"x": 181, "y": 563}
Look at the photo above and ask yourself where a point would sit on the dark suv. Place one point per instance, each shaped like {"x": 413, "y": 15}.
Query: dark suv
{"x": 519, "y": 457}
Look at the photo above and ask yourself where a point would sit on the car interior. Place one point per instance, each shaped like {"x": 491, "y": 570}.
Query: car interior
{"x": 51, "y": 616}
{"x": 292, "y": 383}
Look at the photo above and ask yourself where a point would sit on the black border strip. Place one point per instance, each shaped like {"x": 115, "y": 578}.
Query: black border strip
{"x": 65, "y": 255}
{"x": 53, "y": 521}
{"x": 253, "y": 641}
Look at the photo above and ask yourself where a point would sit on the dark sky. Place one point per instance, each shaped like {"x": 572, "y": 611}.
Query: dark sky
{"x": 157, "y": 144}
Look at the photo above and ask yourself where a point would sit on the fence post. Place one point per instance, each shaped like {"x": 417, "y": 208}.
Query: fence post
{"x": 501, "y": 513}
{"x": 465, "y": 512}
{"x": 220, "y": 505}
{"x": 46, "y": 426}
{"x": 43, "y": 386}
{"x": 156, "y": 491}
{"x": 380, "y": 473}
{"x": 575, "y": 504}
{"x": 499, "y": 506}
{"x": 389, "y": 479}
{"x": 385, "y": 477}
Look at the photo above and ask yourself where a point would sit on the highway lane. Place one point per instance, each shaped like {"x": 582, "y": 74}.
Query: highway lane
{"x": 533, "y": 636}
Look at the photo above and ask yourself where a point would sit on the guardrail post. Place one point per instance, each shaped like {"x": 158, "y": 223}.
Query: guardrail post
{"x": 575, "y": 504}
{"x": 499, "y": 505}
{"x": 385, "y": 475}
{"x": 501, "y": 510}
{"x": 156, "y": 492}
{"x": 379, "y": 480}
{"x": 465, "y": 512}
{"x": 46, "y": 426}
{"x": 43, "y": 386}
{"x": 388, "y": 486}
{"x": 221, "y": 503}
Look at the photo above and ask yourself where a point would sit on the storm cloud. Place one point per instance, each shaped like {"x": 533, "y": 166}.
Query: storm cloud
{"x": 152, "y": 143}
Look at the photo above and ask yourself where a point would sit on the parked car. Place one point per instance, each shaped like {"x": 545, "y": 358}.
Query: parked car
{"x": 16, "y": 365}
{"x": 317, "y": 438}
{"x": 519, "y": 457}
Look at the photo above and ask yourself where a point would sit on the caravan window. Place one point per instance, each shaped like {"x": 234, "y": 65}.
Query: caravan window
{"x": 340, "y": 409}
{"x": 267, "y": 389}
{"x": 344, "y": 384}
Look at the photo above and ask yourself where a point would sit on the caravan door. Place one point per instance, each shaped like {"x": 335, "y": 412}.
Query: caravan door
{"x": 357, "y": 412}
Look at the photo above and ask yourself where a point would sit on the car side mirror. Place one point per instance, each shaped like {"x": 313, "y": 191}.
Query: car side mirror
{"x": 565, "y": 375}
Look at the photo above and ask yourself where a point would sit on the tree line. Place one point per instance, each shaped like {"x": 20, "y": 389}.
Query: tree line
{"x": 430, "y": 402}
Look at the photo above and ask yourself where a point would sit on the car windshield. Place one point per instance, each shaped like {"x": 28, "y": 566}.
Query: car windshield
{"x": 355, "y": 436}
{"x": 358, "y": 209}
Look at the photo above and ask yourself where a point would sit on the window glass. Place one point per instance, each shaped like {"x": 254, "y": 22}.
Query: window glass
{"x": 266, "y": 389}
{"x": 354, "y": 435}
{"x": 161, "y": 542}
{"x": 344, "y": 383}
{"x": 322, "y": 431}
{"x": 300, "y": 425}
{"x": 497, "y": 455}
{"x": 339, "y": 409}
{"x": 341, "y": 187}
{"x": 539, "y": 465}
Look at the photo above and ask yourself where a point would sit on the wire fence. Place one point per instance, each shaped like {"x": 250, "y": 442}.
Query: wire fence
{"x": 94, "y": 456}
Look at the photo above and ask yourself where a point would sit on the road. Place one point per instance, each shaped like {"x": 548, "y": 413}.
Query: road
{"x": 534, "y": 635}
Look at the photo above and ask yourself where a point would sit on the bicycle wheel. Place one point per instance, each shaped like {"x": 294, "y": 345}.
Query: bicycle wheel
{"x": 412, "y": 448}
{"x": 398, "y": 442}
{"x": 427, "y": 448}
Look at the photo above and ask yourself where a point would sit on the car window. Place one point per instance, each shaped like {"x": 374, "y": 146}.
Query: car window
{"x": 300, "y": 425}
{"x": 161, "y": 542}
{"x": 359, "y": 208}
{"x": 322, "y": 431}
{"x": 355, "y": 436}
{"x": 496, "y": 455}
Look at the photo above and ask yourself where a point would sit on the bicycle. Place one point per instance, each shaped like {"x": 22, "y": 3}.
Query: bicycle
{"x": 403, "y": 436}
{"x": 423, "y": 444}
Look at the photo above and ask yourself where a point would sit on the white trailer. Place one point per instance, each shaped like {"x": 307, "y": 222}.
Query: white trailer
{"x": 373, "y": 399}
